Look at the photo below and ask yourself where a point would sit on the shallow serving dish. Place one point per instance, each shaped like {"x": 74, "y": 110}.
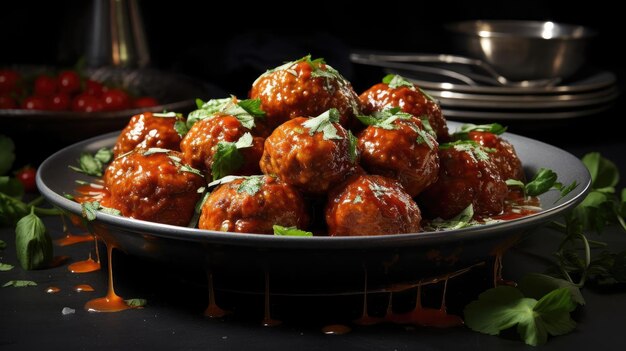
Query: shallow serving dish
{"x": 318, "y": 265}
{"x": 174, "y": 92}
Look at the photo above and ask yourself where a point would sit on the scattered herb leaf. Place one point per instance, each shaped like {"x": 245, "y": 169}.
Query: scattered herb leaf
{"x": 33, "y": 244}
{"x": 324, "y": 123}
{"x": 461, "y": 220}
{"x": 3, "y": 245}
{"x": 251, "y": 185}
{"x": 90, "y": 209}
{"x": 354, "y": 153}
{"x": 93, "y": 165}
{"x": 19, "y": 283}
{"x": 396, "y": 81}
{"x": 279, "y": 230}
{"x": 136, "y": 302}
{"x": 228, "y": 158}
{"x": 463, "y": 132}
{"x": 5, "y": 267}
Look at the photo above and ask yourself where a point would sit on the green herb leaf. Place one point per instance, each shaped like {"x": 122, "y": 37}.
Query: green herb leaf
{"x": 3, "y": 245}
{"x": 353, "y": 147}
{"x": 252, "y": 106}
{"x": 197, "y": 115}
{"x": 199, "y": 103}
{"x": 193, "y": 223}
{"x": 473, "y": 148}
{"x": 33, "y": 244}
{"x": 384, "y": 119}
{"x": 136, "y": 302}
{"x": 537, "y": 285}
{"x": 463, "y": 132}
{"x": 228, "y": 158}
{"x": 11, "y": 187}
{"x": 90, "y": 209}
{"x": 5, "y": 267}
{"x": 181, "y": 128}
{"x": 324, "y": 123}
{"x": 461, "y": 220}
{"x": 503, "y": 307}
{"x": 542, "y": 182}
{"x": 19, "y": 283}
{"x": 251, "y": 185}
{"x": 396, "y": 81}
{"x": 604, "y": 173}
{"x": 279, "y": 230}
{"x": 7, "y": 154}
{"x": 357, "y": 199}
{"x": 516, "y": 183}
{"x": 93, "y": 165}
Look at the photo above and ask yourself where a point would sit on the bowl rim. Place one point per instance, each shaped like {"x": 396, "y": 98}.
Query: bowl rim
{"x": 471, "y": 28}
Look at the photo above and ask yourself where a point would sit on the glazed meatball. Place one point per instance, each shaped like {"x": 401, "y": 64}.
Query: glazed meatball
{"x": 253, "y": 205}
{"x": 410, "y": 98}
{"x": 145, "y": 131}
{"x": 304, "y": 88}
{"x": 503, "y": 155}
{"x": 402, "y": 150}
{"x": 200, "y": 144}
{"x": 307, "y": 159}
{"x": 371, "y": 205}
{"x": 154, "y": 187}
{"x": 466, "y": 176}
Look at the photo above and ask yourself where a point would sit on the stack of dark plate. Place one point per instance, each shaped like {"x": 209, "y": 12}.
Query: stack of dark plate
{"x": 467, "y": 94}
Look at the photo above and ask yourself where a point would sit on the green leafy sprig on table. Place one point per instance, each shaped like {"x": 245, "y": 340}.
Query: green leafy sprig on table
{"x": 541, "y": 304}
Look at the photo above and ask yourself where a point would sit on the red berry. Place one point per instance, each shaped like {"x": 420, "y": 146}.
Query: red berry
{"x": 27, "y": 176}
{"x": 7, "y": 101}
{"x": 87, "y": 103}
{"x": 69, "y": 82}
{"x": 115, "y": 100}
{"x": 35, "y": 103}
{"x": 45, "y": 86}
{"x": 93, "y": 88}
{"x": 59, "y": 102}
{"x": 8, "y": 80}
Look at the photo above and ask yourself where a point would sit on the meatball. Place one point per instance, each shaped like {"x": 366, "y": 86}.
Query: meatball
{"x": 304, "y": 88}
{"x": 410, "y": 98}
{"x": 402, "y": 150}
{"x": 200, "y": 144}
{"x": 503, "y": 155}
{"x": 307, "y": 159}
{"x": 371, "y": 205}
{"x": 253, "y": 205}
{"x": 466, "y": 176}
{"x": 154, "y": 187}
{"x": 145, "y": 131}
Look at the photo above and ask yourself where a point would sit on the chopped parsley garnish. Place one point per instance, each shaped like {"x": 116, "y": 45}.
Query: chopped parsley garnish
{"x": 251, "y": 185}
{"x": 378, "y": 190}
{"x": 324, "y": 123}
{"x": 90, "y": 209}
{"x": 396, "y": 81}
{"x": 228, "y": 158}
{"x": 93, "y": 165}
{"x": 461, "y": 220}
{"x": 354, "y": 152}
{"x": 357, "y": 199}
{"x": 279, "y": 230}
{"x": 319, "y": 69}
{"x": 384, "y": 119}
{"x": 463, "y": 132}
{"x": 244, "y": 110}
{"x": 474, "y": 149}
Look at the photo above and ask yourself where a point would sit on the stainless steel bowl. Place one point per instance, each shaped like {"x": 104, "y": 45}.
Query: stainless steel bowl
{"x": 524, "y": 50}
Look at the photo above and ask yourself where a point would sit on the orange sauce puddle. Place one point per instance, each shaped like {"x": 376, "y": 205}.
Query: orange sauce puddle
{"x": 213, "y": 310}
{"x": 267, "y": 318}
{"x": 88, "y": 265}
{"x": 52, "y": 290}
{"x": 111, "y": 302}
{"x": 83, "y": 288}
{"x": 69, "y": 238}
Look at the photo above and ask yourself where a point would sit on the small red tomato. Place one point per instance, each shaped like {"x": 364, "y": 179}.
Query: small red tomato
{"x": 26, "y": 176}
{"x": 115, "y": 100}
{"x": 8, "y": 80}
{"x": 45, "y": 86}
{"x": 35, "y": 103}
{"x": 145, "y": 101}
{"x": 59, "y": 102}
{"x": 87, "y": 103}
{"x": 93, "y": 88}
{"x": 6, "y": 101}
{"x": 69, "y": 82}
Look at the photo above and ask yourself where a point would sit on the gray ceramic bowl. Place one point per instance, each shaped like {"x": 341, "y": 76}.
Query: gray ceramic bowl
{"x": 318, "y": 265}
{"x": 524, "y": 50}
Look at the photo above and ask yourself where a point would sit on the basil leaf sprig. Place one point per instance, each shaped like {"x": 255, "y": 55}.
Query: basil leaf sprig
{"x": 543, "y": 181}
{"x": 32, "y": 242}
{"x": 474, "y": 149}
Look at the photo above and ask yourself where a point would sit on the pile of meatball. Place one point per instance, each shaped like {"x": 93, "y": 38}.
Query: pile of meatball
{"x": 317, "y": 157}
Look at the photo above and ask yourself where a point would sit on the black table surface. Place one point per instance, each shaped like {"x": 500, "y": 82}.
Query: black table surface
{"x": 30, "y": 318}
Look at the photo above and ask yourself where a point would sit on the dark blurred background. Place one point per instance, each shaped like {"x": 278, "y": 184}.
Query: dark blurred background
{"x": 230, "y": 44}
